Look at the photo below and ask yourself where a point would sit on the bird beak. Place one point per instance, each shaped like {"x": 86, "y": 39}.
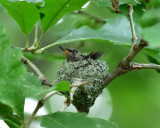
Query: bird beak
{"x": 61, "y": 48}
{"x": 66, "y": 52}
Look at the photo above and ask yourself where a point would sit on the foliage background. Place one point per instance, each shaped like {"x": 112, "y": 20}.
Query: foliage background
{"x": 135, "y": 96}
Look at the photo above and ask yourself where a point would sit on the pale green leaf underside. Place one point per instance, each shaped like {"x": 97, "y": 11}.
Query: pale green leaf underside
{"x": 116, "y": 30}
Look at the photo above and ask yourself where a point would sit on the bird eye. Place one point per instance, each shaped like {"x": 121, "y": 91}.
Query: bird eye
{"x": 69, "y": 50}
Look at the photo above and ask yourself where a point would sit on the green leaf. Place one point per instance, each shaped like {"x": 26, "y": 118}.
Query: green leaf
{"x": 102, "y": 3}
{"x": 153, "y": 52}
{"x": 150, "y": 17}
{"x": 155, "y": 3}
{"x": 32, "y": 87}
{"x": 11, "y": 74}
{"x": 74, "y": 120}
{"x": 153, "y": 60}
{"x": 25, "y": 14}
{"x": 11, "y": 120}
{"x": 62, "y": 86}
{"x": 44, "y": 57}
{"x": 1, "y": 9}
{"x": 15, "y": 83}
{"x": 127, "y": 2}
{"x": 151, "y": 34}
{"x": 56, "y": 9}
{"x": 116, "y": 30}
{"x": 107, "y": 3}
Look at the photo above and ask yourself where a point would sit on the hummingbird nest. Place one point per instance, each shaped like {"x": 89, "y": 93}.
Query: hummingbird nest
{"x": 91, "y": 70}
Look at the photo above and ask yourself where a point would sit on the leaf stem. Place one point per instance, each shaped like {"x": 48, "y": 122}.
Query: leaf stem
{"x": 40, "y": 40}
{"x": 36, "y": 35}
{"x": 67, "y": 102}
{"x": 27, "y": 42}
{"x": 39, "y": 51}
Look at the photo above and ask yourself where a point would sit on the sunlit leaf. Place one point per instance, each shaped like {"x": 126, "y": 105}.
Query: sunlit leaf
{"x": 62, "y": 86}
{"x": 116, "y": 30}
{"x": 54, "y": 10}
{"x": 25, "y": 14}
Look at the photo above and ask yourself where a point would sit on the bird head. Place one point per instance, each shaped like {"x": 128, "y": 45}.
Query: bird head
{"x": 70, "y": 54}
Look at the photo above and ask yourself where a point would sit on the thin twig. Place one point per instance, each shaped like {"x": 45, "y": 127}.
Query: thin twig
{"x": 40, "y": 40}
{"x": 36, "y": 35}
{"x": 41, "y": 76}
{"x": 137, "y": 66}
{"x": 27, "y": 42}
{"x": 39, "y": 105}
{"x": 88, "y": 82}
{"x": 48, "y": 95}
{"x": 66, "y": 104}
{"x": 134, "y": 37}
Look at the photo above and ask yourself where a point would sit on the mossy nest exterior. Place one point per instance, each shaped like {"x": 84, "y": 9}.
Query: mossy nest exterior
{"x": 91, "y": 70}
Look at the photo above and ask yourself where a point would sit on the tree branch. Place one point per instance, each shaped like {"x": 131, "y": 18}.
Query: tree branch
{"x": 124, "y": 65}
{"x": 41, "y": 76}
{"x": 48, "y": 95}
{"x": 66, "y": 104}
{"x": 39, "y": 105}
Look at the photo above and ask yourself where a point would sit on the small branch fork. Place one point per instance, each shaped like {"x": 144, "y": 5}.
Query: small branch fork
{"x": 46, "y": 97}
{"x": 126, "y": 64}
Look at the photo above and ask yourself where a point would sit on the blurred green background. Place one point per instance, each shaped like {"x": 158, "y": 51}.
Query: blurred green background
{"x": 135, "y": 96}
